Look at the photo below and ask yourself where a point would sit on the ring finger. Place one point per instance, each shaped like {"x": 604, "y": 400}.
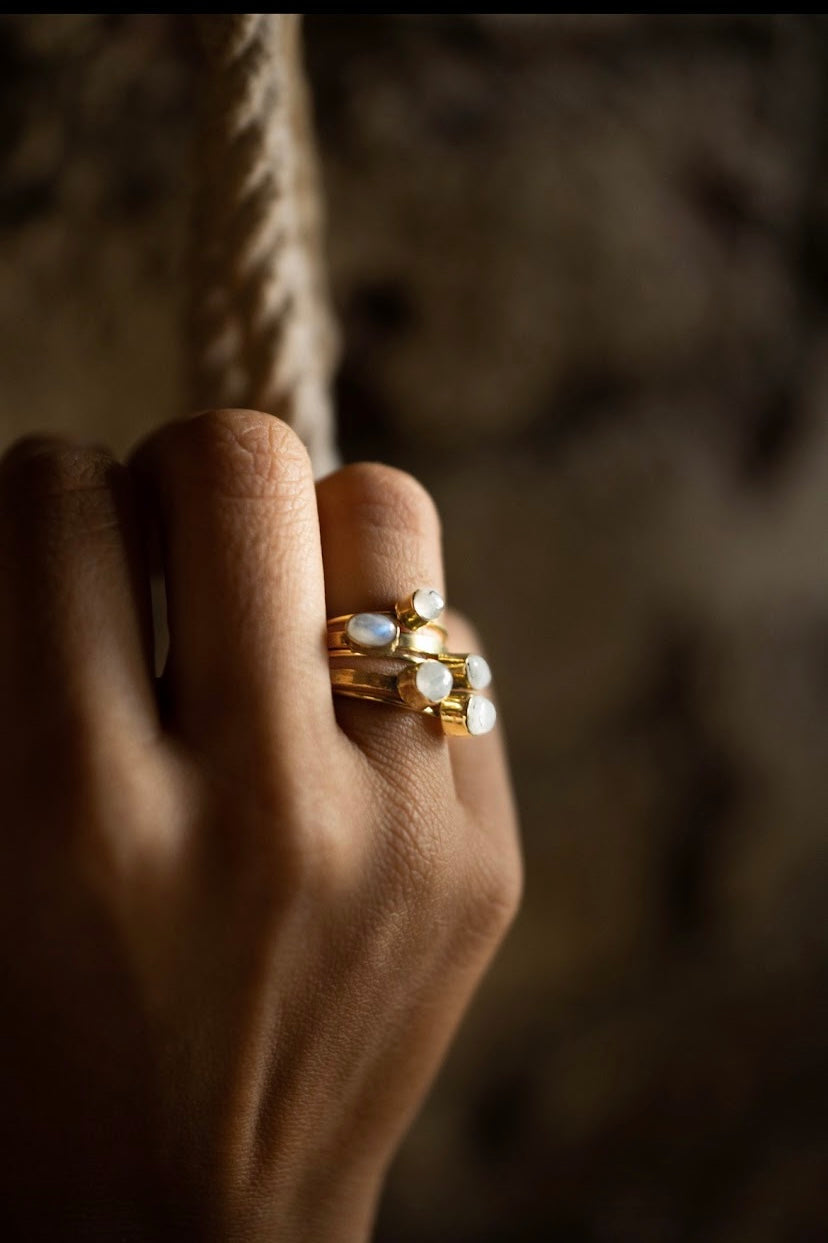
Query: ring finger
{"x": 381, "y": 539}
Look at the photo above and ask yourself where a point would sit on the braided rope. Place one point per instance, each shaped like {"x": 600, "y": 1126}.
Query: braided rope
{"x": 262, "y": 330}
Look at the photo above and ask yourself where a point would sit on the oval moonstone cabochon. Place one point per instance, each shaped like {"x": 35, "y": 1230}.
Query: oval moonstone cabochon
{"x": 371, "y": 630}
{"x": 478, "y": 672}
{"x": 434, "y": 681}
{"x": 481, "y": 715}
{"x": 428, "y": 603}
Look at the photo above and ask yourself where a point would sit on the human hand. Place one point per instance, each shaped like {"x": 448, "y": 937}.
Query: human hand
{"x": 238, "y": 924}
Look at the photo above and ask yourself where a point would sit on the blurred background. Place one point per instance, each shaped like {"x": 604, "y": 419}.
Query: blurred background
{"x": 581, "y": 268}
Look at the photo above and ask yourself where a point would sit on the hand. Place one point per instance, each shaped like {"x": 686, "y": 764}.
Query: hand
{"x": 238, "y": 923}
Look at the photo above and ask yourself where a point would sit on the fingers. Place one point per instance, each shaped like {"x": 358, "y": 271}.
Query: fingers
{"x": 484, "y": 789}
{"x": 75, "y": 633}
{"x": 481, "y": 772}
{"x": 380, "y": 539}
{"x": 234, "y": 498}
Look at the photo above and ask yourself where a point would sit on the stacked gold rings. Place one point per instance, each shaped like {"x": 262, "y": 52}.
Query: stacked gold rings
{"x": 399, "y": 657}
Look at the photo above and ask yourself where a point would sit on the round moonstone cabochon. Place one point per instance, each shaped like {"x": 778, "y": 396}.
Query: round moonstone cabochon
{"x": 478, "y": 673}
{"x": 428, "y": 603}
{"x": 371, "y": 630}
{"x": 481, "y": 715}
{"x": 434, "y": 681}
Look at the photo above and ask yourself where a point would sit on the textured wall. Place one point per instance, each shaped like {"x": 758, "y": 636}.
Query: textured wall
{"x": 581, "y": 266}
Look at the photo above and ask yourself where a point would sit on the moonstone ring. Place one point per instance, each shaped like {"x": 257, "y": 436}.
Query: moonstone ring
{"x": 399, "y": 657}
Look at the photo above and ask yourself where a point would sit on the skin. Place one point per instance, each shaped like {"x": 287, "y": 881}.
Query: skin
{"x": 240, "y": 923}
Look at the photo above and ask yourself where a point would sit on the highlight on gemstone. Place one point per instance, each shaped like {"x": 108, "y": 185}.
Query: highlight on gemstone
{"x": 481, "y": 715}
{"x": 427, "y": 603}
{"x": 478, "y": 672}
{"x": 433, "y": 681}
{"x": 372, "y": 630}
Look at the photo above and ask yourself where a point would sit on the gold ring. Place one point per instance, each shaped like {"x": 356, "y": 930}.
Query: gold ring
{"x": 424, "y": 676}
{"x": 462, "y": 713}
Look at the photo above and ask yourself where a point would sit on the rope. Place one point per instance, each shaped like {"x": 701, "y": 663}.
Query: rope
{"x": 262, "y": 332}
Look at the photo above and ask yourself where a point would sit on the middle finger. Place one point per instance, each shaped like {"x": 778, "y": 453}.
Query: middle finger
{"x": 245, "y": 594}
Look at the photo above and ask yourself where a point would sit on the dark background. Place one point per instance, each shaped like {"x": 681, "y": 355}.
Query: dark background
{"x": 581, "y": 268}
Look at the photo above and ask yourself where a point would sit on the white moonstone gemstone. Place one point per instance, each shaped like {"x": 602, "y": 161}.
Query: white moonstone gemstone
{"x": 428, "y": 603}
{"x": 371, "y": 629}
{"x": 434, "y": 681}
{"x": 481, "y": 715}
{"x": 478, "y": 673}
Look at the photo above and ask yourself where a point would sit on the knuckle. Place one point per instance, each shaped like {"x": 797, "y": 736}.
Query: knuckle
{"x": 284, "y": 869}
{"x": 493, "y": 889}
{"x": 48, "y": 468}
{"x": 460, "y": 896}
{"x": 120, "y": 820}
{"x": 86, "y": 768}
{"x": 383, "y": 496}
{"x": 246, "y": 454}
{"x": 40, "y": 479}
{"x": 290, "y": 841}
{"x": 313, "y": 863}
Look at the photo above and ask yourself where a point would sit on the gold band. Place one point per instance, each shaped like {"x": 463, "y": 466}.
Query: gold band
{"x": 459, "y": 664}
{"x": 369, "y": 684}
{"x": 462, "y": 713}
{"x": 429, "y": 640}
